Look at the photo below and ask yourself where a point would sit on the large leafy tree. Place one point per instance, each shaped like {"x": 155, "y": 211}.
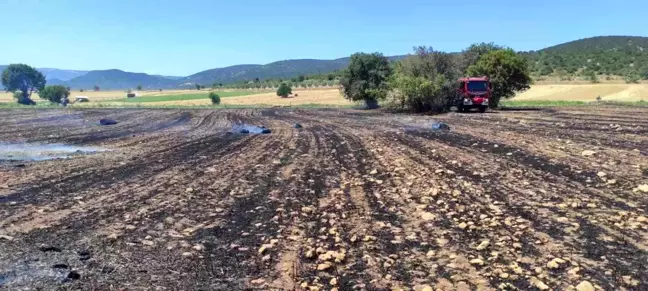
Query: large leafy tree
{"x": 23, "y": 78}
{"x": 54, "y": 94}
{"x": 366, "y": 78}
{"x": 508, "y": 72}
{"x": 473, "y": 53}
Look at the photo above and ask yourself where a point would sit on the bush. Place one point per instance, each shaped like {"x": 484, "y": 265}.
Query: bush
{"x": 424, "y": 82}
{"x": 215, "y": 99}
{"x": 284, "y": 90}
{"x": 55, "y": 94}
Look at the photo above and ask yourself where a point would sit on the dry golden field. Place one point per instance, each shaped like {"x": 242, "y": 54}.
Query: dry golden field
{"x": 332, "y": 96}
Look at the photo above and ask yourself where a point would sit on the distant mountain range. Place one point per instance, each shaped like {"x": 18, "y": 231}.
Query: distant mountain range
{"x": 607, "y": 54}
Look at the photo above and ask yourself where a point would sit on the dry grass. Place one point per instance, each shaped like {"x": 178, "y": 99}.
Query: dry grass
{"x": 586, "y": 92}
{"x": 317, "y": 96}
{"x": 104, "y": 95}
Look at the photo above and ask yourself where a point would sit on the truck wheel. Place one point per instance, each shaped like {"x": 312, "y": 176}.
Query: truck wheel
{"x": 482, "y": 109}
{"x": 461, "y": 108}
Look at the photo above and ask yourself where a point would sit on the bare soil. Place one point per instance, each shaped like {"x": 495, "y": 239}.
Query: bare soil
{"x": 354, "y": 200}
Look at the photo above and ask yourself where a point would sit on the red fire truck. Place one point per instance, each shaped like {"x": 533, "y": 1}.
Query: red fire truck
{"x": 474, "y": 93}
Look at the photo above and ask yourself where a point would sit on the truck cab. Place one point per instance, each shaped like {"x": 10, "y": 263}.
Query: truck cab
{"x": 474, "y": 93}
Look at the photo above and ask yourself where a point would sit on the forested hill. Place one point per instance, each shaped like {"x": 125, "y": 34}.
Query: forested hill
{"x": 609, "y": 55}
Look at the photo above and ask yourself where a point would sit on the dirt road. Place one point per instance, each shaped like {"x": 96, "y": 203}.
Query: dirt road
{"x": 352, "y": 201}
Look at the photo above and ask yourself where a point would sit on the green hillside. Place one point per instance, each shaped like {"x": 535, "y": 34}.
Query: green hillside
{"x": 604, "y": 55}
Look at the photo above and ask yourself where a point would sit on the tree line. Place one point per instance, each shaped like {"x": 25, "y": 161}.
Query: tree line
{"x": 426, "y": 81}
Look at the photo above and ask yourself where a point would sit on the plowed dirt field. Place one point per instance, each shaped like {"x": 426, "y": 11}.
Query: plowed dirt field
{"x": 354, "y": 200}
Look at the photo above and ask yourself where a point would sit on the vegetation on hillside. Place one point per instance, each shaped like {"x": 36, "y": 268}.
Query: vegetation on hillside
{"x": 605, "y": 55}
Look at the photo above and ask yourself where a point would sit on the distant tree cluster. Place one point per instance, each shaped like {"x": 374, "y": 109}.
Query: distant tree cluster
{"x": 426, "y": 80}
{"x": 330, "y": 79}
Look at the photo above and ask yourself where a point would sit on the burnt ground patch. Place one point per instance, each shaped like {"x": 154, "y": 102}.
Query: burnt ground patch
{"x": 181, "y": 205}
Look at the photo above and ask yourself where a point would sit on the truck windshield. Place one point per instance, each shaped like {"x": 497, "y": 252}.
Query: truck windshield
{"x": 477, "y": 86}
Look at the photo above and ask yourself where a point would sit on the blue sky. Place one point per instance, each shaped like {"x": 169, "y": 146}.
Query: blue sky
{"x": 185, "y": 37}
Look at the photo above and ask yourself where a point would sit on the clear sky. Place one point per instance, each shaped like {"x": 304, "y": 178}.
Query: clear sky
{"x": 184, "y": 37}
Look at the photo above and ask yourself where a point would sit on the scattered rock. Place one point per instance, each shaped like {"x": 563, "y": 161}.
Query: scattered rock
{"x": 322, "y": 267}
{"x": 189, "y": 190}
{"x": 587, "y": 153}
{"x": 504, "y": 275}
{"x": 643, "y": 188}
{"x": 539, "y": 284}
{"x": 555, "y": 263}
{"x": 6, "y": 237}
{"x": 258, "y": 281}
{"x": 199, "y": 247}
{"x": 463, "y": 225}
{"x": 585, "y": 286}
{"x": 333, "y": 282}
{"x": 601, "y": 174}
{"x": 265, "y": 247}
{"x": 630, "y": 281}
{"x": 148, "y": 242}
{"x": 477, "y": 262}
{"x": 427, "y": 216}
{"x": 187, "y": 254}
{"x": 483, "y": 245}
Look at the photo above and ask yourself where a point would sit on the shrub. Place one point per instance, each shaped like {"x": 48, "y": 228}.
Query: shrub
{"x": 55, "y": 94}
{"x": 215, "y": 99}
{"x": 284, "y": 90}
{"x": 424, "y": 82}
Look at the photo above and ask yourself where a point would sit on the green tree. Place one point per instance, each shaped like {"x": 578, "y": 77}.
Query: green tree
{"x": 139, "y": 87}
{"x": 366, "y": 78}
{"x": 198, "y": 86}
{"x": 301, "y": 78}
{"x": 23, "y": 78}
{"x": 54, "y": 94}
{"x": 215, "y": 99}
{"x": 284, "y": 90}
{"x": 508, "y": 73}
{"x": 473, "y": 53}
